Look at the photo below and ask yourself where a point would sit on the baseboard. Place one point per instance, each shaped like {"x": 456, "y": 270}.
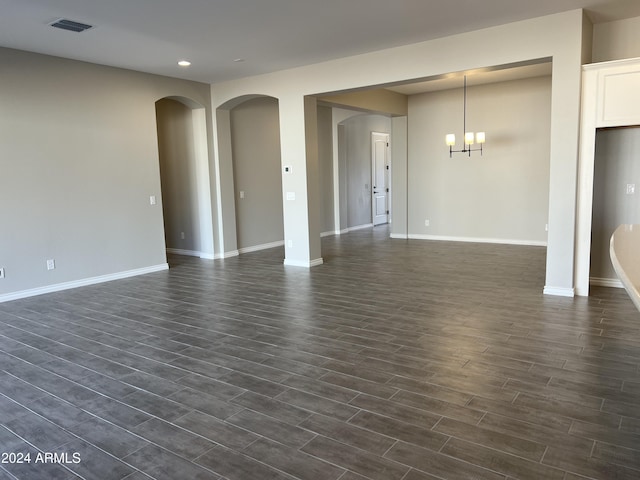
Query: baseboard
{"x": 360, "y": 227}
{"x": 191, "y": 253}
{"x": 232, "y": 253}
{"x": 58, "y": 287}
{"x": 559, "y": 291}
{"x": 402, "y": 236}
{"x": 501, "y": 241}
{"x": 605, "y": 282}
{"x": 329, "y": 233}
{"x": 305, "y": 264}
{"x": 264, "y": 246}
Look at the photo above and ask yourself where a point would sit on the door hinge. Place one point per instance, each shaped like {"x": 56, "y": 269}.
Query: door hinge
{"x": 387, "y": 212}
{"x": 387, "y": 190}
{"x": 387, "y": 167}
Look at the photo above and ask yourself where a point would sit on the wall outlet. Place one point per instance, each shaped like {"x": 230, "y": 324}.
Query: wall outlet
{"x": 51, "y": 264}
{"x": 152, "y": 200}
{"x": 426, "y": 223}
{"x": 241, "y": 193}
{"x": 546, "y": 227}
{"x": 2, "y": 272}
{"x": 182, "y": 235}
{"x": 631, "y": 188}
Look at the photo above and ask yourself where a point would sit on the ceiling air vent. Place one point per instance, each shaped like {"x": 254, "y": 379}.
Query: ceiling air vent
{"x": 70, "y": 25}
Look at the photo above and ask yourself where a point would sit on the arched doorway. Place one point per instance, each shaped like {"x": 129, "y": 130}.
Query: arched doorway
{"x": 184, "y": 174}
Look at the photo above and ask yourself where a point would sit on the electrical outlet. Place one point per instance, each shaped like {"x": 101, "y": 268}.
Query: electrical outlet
{"x": 426, "y": 223}
{"x": 51, "y": 264}
{"x": 182, "y": 235}
{"x": 2, "y": 272}
{"x": 631, "y": 188}
{"x": 152, "y": 200}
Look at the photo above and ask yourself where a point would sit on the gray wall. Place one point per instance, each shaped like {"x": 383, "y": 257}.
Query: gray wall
{"x": 178, "y": 172}
{"x": 616, "y": 165}
{"x": 255, "y": 134}
{"x": 500, "y": 196}
{"x": 79, "y": 162}
{"x": 357, "y": 155}
{"x": 616, "y": 40}
{"x": 325, "y": 171}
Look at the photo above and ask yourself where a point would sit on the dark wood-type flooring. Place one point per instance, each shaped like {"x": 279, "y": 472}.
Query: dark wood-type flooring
{"x": 395, "y": 360}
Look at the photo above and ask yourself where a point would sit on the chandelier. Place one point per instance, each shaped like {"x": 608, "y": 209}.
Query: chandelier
{"x": 469, "y": 137}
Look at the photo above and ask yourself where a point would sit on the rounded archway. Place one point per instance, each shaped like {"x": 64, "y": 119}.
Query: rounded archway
{"x": 184, "y": 174}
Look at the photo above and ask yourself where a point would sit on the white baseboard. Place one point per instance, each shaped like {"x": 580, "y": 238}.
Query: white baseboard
{"x": 559, "y": 291}
{"x": 305, "y": 264}
{"x": 329, "y": 233}
{"x": 402, "y": 236}
{"x": 264, "y": 246}
{"x": 360, "y": 227}
{"x": 82, "y": 283}
{"x": 501, "y": 241}
{"x": 191, "y": 253}
{"x": 605, "y": 282}
{"x": 232, "y": 253}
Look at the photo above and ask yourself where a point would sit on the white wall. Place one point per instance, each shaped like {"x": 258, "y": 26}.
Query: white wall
{"x": 79, "y": 162}
{"x": 501, "y": 196}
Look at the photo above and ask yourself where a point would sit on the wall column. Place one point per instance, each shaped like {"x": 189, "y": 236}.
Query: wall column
{"x": 299, "y": 147}
{"x": 227, "y": 245}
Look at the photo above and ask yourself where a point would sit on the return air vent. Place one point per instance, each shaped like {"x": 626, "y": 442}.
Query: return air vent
{"x": 70, "y": 25}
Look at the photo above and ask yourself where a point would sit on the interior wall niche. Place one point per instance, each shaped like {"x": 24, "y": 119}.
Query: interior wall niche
{"x": 616, "y": 194}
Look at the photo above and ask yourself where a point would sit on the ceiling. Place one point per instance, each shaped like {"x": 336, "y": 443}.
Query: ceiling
{"x": 229, "y": 39}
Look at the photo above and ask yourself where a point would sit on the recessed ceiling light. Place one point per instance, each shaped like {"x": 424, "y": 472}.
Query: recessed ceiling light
{"x": 184, "y": 63}
{"x": 238, "y": 60}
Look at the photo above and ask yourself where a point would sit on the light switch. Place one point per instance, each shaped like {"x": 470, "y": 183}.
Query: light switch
{"x": 291, "y": 195}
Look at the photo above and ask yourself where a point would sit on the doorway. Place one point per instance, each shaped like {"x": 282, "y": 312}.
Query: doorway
{"x": 184, "y": 177}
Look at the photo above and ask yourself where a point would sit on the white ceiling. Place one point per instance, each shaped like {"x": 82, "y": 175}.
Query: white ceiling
{"x": 269, "y": 35}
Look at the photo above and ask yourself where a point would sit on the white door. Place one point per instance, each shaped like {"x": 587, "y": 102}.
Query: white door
{"x": 380, "y": 177}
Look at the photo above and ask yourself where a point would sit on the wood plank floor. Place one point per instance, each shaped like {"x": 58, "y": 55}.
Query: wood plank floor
{"x": 395, "y": 360}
